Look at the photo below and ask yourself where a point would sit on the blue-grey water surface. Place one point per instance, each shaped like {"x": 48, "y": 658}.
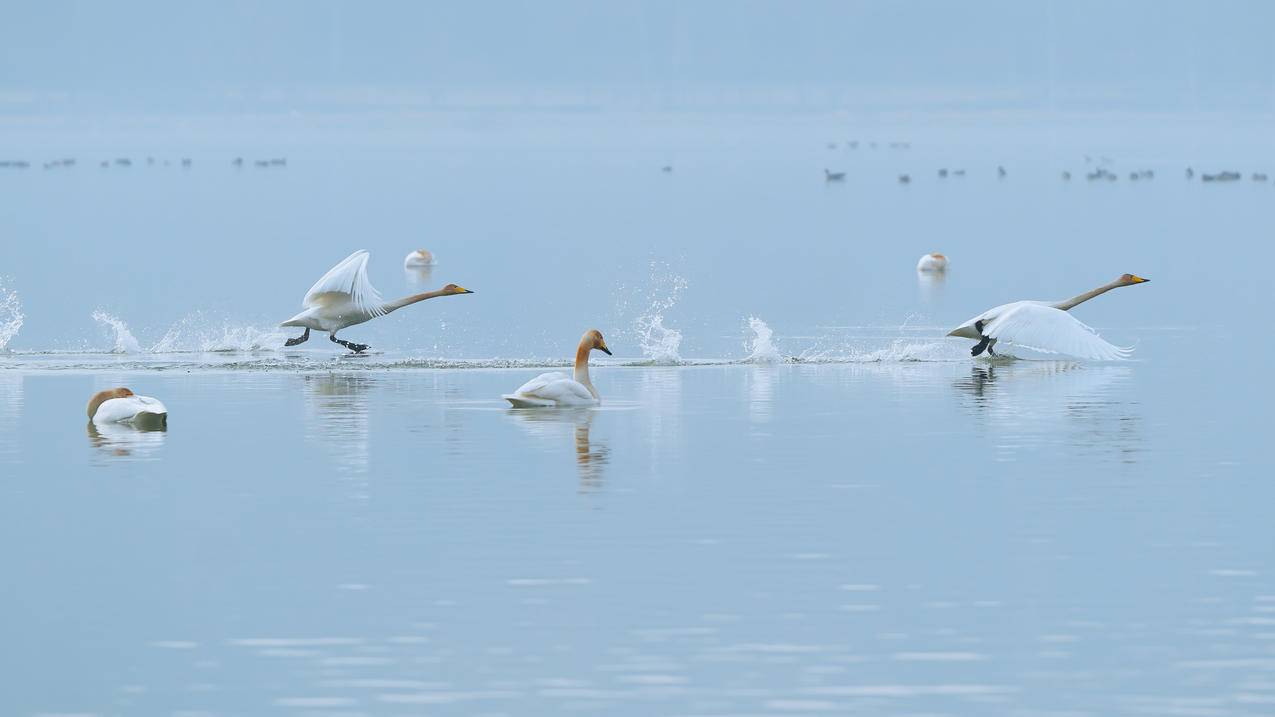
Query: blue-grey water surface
{"x": 852, "y": 517}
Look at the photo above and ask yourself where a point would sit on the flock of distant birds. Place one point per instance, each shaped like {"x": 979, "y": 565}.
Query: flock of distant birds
{"x": 185, "y": 162}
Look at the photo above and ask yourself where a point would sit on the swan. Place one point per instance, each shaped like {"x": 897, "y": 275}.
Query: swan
{"x": 556, "y": 389}
{"x": 120, "y": 405}
{"x": 932, "y": 262}
{"x": 831, "y": 176}
{"x": 344, "y": 297}
{"x": 1044, "y": 326}
{"x": 420, "y": 257}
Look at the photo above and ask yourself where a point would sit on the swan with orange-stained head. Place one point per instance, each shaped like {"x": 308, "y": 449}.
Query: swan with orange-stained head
{"x": 1045, "y": 326}
{"x": 345, "y": 297}
{"x": 120, "y": 405}
{"x": 932, "y": 262}
{"x": 418, "y": 259}
{"x": 556, "y": 389}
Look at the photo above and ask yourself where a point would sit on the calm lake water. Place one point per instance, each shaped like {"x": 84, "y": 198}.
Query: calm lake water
{"x": 847, "y": 515}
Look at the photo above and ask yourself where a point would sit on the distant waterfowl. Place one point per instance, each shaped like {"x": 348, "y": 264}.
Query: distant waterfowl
{"x": 186, "y": 162}
{"x": 832, "y": 145}
{"x": 1259, "y": 177}
{"x": 1221, "y": 177}
{"x": 419, "y": 258}
{"x": 1044, "y": 326}
{"x": 1000, "y": 172}
{"x": 345, "y": 297}
{"x": 932, "y": 262}
{"x": 958, "y": 172}
{"x": 120, "y": 405}
{"x": 1066, "y": 176}
{"x": 904, "y": 179}
{"x": 556, "y": 389}
{"x": 279, "y": 162}
{"x": 830, "y": 176}
{"x": 1190, "y": 172}
{"x": 942, "y": 174}
{"x": 666, "y": 168}
{"x": 124, "y": 162}
{"x": 238, "y": 162}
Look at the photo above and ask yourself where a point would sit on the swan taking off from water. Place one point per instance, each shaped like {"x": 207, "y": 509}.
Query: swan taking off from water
{"x": 120, "y": 405}
{"x": 1044, "y": 326}
{"x": 932, "y": 262}
{"x": 555, "y": 389}
{"x": 419, "y": 258}
{"x": 344, "y": 297}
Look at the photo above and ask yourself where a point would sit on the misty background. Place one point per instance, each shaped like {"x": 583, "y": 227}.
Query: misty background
{"x": 84, "y": 57}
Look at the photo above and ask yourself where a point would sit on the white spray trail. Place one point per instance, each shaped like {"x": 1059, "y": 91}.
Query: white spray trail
{"x": 11, "y": 315}
{"x": 761, "y": 346}
{"x": 125, "y": 342}
{"x": 660, "y": 344}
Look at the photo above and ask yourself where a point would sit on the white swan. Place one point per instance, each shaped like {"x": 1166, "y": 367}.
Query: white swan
{"x": 120, "y": 405}
{"x": 932, "y": 262}
{"x": 555, "y": 389}
{"x": 344, "y": 297}
{"x": 1044, "y": 326}
{"x": 419, "y": 258}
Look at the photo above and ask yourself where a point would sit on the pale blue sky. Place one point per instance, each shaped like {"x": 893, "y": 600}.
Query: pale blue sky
{"x": 1141, "y": 55}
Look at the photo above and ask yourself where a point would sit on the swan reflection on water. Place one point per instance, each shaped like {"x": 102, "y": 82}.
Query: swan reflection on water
{"x": 569, "y": 427}
{"x": 140, "y": 440}
{"x": 1033, "y": 403}
{"x": 337, "y": 420}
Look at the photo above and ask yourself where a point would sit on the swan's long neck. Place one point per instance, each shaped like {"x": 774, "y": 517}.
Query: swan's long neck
{"x": 1082, "y": 298}
{"x": 582, "y": 368}
{"x": 389, "y": 306}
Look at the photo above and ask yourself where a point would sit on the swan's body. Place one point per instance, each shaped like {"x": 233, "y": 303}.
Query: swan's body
{"x": 932, "y": 262}
{"x": 419, "y": 258}
{"x": 120, "y": 405}
{"x": 345, "y": 297}
{"x": 1044, "y": 326}
{"x": 556, "y": 389}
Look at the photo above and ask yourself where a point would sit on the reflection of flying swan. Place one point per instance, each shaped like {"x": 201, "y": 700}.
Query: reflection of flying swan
{"x": 557, "y": 389}
{"x": 1044, "y": 326}
{"x": 120, "y": 405}
{"x": 345, "y": 297}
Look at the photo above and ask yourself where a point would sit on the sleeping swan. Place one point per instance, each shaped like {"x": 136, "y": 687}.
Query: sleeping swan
{"x": 932, "y": 262}
{"x": 120, "y": 405}
{"x": 419, "y": 258}
{"x": 556, "y": 389}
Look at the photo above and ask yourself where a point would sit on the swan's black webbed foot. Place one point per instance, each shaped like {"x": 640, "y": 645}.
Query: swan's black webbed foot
{"x": 356, "y": 348}
{"x": 298, "y": 340}
{"x": 984, "y": 345}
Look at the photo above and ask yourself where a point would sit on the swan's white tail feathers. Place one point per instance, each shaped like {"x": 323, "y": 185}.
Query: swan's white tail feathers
{"x": 527, "y": 401}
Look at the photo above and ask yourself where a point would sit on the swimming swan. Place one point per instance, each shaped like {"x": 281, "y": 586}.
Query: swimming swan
{"x": 1044, "y": 326}
{"x": 120, "y": 405}
{"x": 555, "y": 389}
{"x": 932, "y": 262}
{"x": 418, "y": 258}
{"x": 344, "y": 297}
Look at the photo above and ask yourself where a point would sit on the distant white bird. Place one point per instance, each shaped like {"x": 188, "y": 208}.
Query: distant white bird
{"x": 120, "y": 405}
{"x": 556, "y": 389}
{"x": 1044, "y": 326}
{"x": 344, "y": 297}
{"x": 932, "y": 262}
{"x": 419, "y": 258}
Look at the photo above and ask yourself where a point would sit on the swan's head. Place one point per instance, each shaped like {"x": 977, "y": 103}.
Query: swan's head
{"x": 1131, "y": 279}
{"x": 103, "y": 396}
{"x": 454, "y": 289}
{"x": 938, "y": 256}
{"x": 593, "y": 340}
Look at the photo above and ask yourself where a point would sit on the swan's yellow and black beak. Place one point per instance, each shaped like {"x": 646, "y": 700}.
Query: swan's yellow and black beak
{"x": 603, "y": 348}
{"x": 463, "y": 290}
{"x": 1139, "y": 280}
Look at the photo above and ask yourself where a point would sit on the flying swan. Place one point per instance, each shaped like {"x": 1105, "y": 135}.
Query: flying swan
{"x": 1044, "y": 326}
{"x": 556, "y": 389}
{"x": 344, "y": 297}
{"x": 120, "y": 405}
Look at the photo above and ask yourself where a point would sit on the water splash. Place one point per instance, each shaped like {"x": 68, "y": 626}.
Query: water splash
{"x": 124, "y": 341}
{"x": 760, "y": 346}
{"x": 660, "y": 344}
{"x": 11, "y": 315}
{"x": 197, "y": 333}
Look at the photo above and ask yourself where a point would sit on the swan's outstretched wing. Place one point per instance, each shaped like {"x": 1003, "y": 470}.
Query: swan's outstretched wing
{"x": 346, "y": 281}
{"x": 1044, "y": 328}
